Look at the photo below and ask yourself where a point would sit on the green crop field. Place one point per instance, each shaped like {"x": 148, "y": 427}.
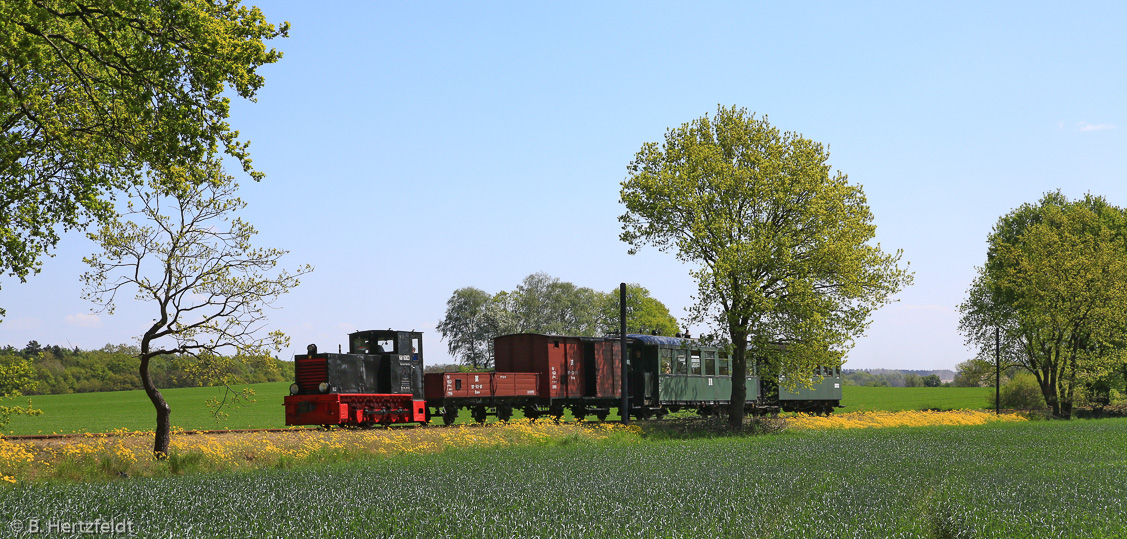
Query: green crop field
{"x": 102, "y": 412}
{"x": 1028, "y": 480}
{"x": 896, "y": 399}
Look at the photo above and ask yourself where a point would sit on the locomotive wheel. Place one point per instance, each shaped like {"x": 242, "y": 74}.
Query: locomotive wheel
{"x": 479, "y": 414}
{"x": 449, "y": 415}
{"x": 556, "y": 412}
{"x": 579, "y": 412}
{"x": 504, "y": 413}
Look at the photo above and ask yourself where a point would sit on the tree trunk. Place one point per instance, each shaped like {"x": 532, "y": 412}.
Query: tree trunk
{"x": 739, "y": 382}
{"x": 164, "y": 412}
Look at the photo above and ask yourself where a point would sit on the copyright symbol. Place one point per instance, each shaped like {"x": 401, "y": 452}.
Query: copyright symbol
{"x": 16, "y": 526}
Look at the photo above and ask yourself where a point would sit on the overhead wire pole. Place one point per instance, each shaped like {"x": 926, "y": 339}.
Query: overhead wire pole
{"x": 624, "y": 408}
{"x": 997, "y": 372}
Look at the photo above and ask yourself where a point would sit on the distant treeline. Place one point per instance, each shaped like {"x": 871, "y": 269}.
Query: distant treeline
{"x": 60, "y": 370}
{"x": 898, "y": 378}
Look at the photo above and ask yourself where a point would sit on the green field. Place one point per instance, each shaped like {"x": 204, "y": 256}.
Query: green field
{"x": 102, "y": 412}
{"x": 896, "y": 399}
{"x": 1029, "y": 480}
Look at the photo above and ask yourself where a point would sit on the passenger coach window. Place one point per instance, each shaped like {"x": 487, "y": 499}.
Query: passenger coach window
{"x": 666, "y": 361}
{"x": 710, "y": 362}
{"x": 696, "y": 362}
{"x": 680, "y": 363}
{"x": 723, "y": 364}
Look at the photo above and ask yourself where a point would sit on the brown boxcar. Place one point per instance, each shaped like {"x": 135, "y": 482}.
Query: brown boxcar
{"x": 557, "y": 359}
{"x": 515, "y": 384}
{"x": 606, "y": 358}
{"x": 438, "y": 385}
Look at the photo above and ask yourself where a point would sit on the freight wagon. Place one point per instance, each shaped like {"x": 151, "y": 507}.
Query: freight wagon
{"x": 380, "y": 381}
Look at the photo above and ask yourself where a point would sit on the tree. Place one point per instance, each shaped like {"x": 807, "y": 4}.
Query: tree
{"x": 644, "y": 314}
{"x": 94, "y": 93}
{"x": 974, "y": 372}
{"x": 185, "y": 252}
{"x": 781, "y": 250}
{"x": 467, "y": 328}
{"x": 1054, "y": 286}
{"x": 544, "y": 304}
{"x": 913, "y": 380}
{"x": 16, "y": 376}
{"x": 932, "y": 380}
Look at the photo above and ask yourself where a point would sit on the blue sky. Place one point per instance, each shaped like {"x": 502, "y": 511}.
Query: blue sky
{"x": 412, "y": 149}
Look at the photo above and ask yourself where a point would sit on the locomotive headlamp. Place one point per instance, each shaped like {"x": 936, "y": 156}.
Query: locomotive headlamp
{"x": 324, "y": 387}
{"x": 294, "y": 388}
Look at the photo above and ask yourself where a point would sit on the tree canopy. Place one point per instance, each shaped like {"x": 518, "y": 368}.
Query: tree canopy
{"x": 93, "y": 94}
{"x": 1054, "y": 285}
{"x": 543, "y": 304}
{"x": 781, "y": 250}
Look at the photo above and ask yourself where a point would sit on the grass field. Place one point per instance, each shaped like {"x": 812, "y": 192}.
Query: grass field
{"x": 103, "y": 412}
{"x": 895, "y": 399}
{"x": 1027, "y": 479}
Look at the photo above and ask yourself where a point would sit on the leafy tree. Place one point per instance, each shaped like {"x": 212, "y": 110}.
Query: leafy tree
{"x": 644, "y": 314}
{"x": 780, "y": 248}
{"x": 94, "y": 93}
{"x": 932, "y": 380}
{"x": 544, "y": 304}
{"x": 974, "y": 372}
{"x": 1055, "y": 285}
{"x": 16, "y": 376}
{"x": 913, "y": 380}
{"x": 185, "y": 252}
{"x": 466, "y": 327}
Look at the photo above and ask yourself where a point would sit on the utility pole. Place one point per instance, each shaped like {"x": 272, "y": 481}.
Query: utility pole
{"x": 625, "y": 406}
{"x": 997, "y": 372}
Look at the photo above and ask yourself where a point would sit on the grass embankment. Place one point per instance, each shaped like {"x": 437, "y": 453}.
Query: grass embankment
{"x": 129, "y": 454}
{"x": 1002, "y": 480}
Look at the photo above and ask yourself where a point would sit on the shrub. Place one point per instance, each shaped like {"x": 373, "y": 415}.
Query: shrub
{"x": 1021, "y": 392}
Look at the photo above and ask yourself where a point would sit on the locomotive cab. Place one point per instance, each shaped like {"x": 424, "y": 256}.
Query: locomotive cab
{"x": 379, "y": 381}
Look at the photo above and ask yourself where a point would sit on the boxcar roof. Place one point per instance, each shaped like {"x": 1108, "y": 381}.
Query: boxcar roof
{"x": 659, "y": 339}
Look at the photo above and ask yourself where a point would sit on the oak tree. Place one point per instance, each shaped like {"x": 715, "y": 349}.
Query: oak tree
{"x": 1054, "y": 287}
{"x": 95, "y": 92}
{"x": 644, "y": 314}
{"x": 781, "y": 250}
{"x": 181, "y": 248}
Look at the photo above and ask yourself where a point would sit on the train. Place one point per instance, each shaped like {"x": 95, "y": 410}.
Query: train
{"x": 381, "y": 381}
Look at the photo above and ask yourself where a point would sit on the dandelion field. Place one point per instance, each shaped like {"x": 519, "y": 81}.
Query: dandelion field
{"x": 1000, "y": 479}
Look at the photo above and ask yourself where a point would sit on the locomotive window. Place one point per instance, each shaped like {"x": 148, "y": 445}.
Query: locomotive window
{"x": 695, "y": 358}
{"x": 666, "y": 361}
{"x": 415, "y": 349}
{"x": 710, "y": 362}
{"x": 359, "y": 344}
{"x": 385, "y": 346}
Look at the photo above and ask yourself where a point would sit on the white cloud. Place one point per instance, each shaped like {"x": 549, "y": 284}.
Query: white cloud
{"x": 21, "y": 324}
{"x": 1085, "y": 126}
{"x": 83, "y": 320}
